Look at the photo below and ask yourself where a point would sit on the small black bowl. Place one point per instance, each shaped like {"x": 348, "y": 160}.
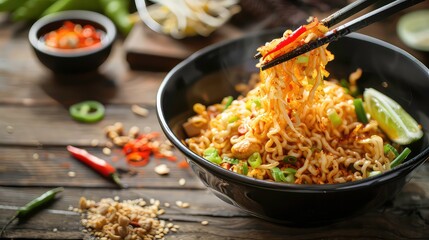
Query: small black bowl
{"x": 76, "y": 60}
{"x": 211, "y": 74}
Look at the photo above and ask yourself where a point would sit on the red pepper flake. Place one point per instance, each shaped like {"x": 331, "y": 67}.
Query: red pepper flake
{"x": 183, "y": 164}
{"x": 139, "y": 150}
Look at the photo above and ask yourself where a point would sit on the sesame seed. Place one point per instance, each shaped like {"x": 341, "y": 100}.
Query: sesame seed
{"x": 35, "y": 156}
{"x": 204, "y": 223}
{"x": 71, "y": 174}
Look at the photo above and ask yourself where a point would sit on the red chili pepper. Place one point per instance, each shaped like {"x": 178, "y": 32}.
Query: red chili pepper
{"x": 298, "y": 32}
{"x": 98, "y": 164}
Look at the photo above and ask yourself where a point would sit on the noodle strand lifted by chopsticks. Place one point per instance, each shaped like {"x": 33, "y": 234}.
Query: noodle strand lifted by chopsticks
{"x": 293, "y": 114}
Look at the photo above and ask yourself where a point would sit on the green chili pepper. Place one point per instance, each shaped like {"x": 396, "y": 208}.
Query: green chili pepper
{"x": 87, "y": 111}
{"x": 31, "y": 10}
{"x": 117, "y": 11}
{"x": 63, "y": 5}
{"x": 290, "y": 159}
{"x": 255, "y": 160}
{"x": 212, "y": 155}
{"x": 360, "y": 111}
{"x": 10, "y": 5}
{"x": 228, "y": 102}
{"x": 33, "y": 205}
{"x": 400, "y": 158}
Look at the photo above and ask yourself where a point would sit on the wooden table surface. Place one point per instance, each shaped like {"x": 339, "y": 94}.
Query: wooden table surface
{"x": 35, "y": 129}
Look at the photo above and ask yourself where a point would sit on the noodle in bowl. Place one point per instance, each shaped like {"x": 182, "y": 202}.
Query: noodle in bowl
{"x": 210, "y": 75}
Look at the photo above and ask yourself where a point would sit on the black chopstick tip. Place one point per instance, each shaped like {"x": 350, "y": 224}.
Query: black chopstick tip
{"x": 257, "y": 55}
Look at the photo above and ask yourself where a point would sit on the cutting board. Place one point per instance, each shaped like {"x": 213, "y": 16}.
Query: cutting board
{"x": 152, "y": 51}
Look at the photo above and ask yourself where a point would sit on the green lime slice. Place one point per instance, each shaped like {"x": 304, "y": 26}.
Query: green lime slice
{"x": 399, "y": 126}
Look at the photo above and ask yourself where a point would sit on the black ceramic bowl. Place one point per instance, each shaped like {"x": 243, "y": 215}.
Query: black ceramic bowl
{"x": 76, "y": 60}
{"x": 210, "y": 74}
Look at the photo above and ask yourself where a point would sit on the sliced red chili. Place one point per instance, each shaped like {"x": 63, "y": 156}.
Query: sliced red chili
{"x": 298, "y": 32}
{"x": 98, "y": 164}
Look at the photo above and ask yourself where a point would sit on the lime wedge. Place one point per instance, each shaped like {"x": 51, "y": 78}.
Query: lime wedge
{"x": 399, "y": 126}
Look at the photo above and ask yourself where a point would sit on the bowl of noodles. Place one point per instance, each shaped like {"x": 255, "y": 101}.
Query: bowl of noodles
{"x": 328, "y": 135}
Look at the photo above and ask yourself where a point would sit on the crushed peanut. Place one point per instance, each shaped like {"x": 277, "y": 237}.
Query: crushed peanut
{"x": 129, "y": 219}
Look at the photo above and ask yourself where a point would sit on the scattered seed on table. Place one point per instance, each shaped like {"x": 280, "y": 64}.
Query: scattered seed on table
{"x": 166, "y": 204}
{"x": 141, "y": 111}
{"x": 107, "y": 151}
{"x": 9, "y": 129}
{"x": 35, "y": 156}
{"x": 204, "y": 223}
{"x": 162, "y": 169}
{"x": 55, "y": 230}
{"x": 94, "y": 142}
{"x": 116, "y": 198}
{"x": 71, "y": 174}
{"x": 182, "y": 182}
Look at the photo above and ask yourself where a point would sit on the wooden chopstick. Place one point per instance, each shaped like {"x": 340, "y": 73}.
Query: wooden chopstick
{"x": 341, "y": 31}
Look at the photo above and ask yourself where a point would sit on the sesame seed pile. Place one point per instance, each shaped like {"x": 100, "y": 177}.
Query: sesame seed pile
{"x": 129, "y": 219}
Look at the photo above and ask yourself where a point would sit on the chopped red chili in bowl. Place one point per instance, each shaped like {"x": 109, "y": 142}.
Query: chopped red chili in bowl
{"x": 73, "y": 36}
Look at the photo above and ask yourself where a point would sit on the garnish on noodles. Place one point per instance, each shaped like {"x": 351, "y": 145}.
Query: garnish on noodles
{"x": 294, "y": 126}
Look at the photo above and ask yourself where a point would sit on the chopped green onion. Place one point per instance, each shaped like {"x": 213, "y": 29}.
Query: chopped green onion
{"x": 210, "y": 151}
{"x": 290, "y": 178}
{"x": 373, "y": 173}
{"x": 289, "y": 171}
{"x": 232, "y": 119}
{"x": 389, "y": 150}
{"x": 244, "y": 169}
{"x": 333, "y": 116}
{"x": 400, "y": 158}
{"x": 255, "y": 160}
{"x": 290, "y": 159}
{"x": 257, "y": 102}
{"x": 360, "y": 111}
{"x": 278, "y": 175}
{"x": 212, "y": 155}
{"x": 230, "y": 160}
{"x": 228, "y": 102}
{"x": 302, "y": 59}
{"x": 345, "y": 84}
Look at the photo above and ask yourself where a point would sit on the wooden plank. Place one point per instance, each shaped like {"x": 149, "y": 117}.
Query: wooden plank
{"x": 24, "y": 80}
{"x": 399, "y": 220}
{"x": 52, "y": 125}
{"x": 55, "y": 167}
